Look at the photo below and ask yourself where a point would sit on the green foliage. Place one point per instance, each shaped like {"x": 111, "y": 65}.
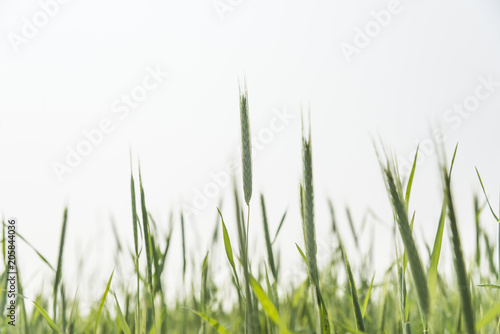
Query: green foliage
{"x": 323, "y": 298}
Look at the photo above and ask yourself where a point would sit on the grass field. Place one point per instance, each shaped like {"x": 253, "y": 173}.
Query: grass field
{"x": 412, "y": 295}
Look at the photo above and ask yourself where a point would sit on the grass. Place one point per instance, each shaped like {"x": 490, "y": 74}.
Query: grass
{"x": 400, "y": 207}
{"x": 413, "y": 295}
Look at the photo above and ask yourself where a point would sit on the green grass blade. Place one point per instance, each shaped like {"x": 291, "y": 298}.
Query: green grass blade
{"x": 348, "y": 328}
{"x": 358, "y": 314}
{"x": 22, "y": 305}
{"x": 268, "y": 305}
{"x": 491, "y": 315}
{"x": 478, "y": 209}
{"x": 489, "y": 286}
{"x": 460, "y": 267}
{"x": 323, "y": 313}
{"x": 204, "y": 277}
{"x": 270, "y": 255}
{"x": 453, "y": 159}
{"x": 135, "y": 224}
{"x": 229, "y": 249}
{"x": 401, "y": 215}
{"x": 215, "y": 233}
{"x": 218, "y": 327}
{"x": 383, "y": 314}
{"x": 44, "y": 314}
{"x": 436, "y": 251}
{"x": 410, "y": 180}
{"x": 123, "y": 322}
{"x": 367, "y": 298}
{"x": 438, "y": 240}
{"x": 352, "y": 228}
{"x": 405, "y": 255}
{"x": 134, "y": 213}
{"x": 59, "y": 262}
{"x": 72, "y": 315}
{"x": 489, "y": 255}
{"x": 302, "y": 254}
{"x": 184, "y": 260}
{"x": 147, "y": 237}
{"x": 103, "y": 300}
{"x": 485, "y": 195}
{"x": 44, "y": 260}
{"x": 279, "y": 227}
{"x": 332, "y": 216}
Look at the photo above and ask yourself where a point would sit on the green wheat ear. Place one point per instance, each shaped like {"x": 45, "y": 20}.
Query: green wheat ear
{"x": 394, "y": 189}
{"x": 307, "y": 199}
{"x": 462, "y": 275}
{"x": 246, "y": 147}
{"x": 309, "y": 232}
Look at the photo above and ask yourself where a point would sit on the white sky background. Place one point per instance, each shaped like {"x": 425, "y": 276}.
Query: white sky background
{"x": 65, "y": 79}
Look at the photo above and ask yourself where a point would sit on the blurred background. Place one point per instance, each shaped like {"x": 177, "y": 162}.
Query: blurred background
{"x": 85, "y": 84}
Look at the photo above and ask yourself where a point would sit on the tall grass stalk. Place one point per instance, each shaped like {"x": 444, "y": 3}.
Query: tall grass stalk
{"x": 458, "y": 258}
{"x": 497, "y": 218}
{"x": 59, "y": 267}
{"x": 309, "y": 232}
{"x": 270, "y": 255}
{"x": 399, "y": 205}
{"x": 251, "y": 321}
{"x": 358, "y": 313}
{"x": 150, "y": 314}
{"x": 246, "y": 145}
{"x": 135, "y": 223}
{"x": 307, "y": 200}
